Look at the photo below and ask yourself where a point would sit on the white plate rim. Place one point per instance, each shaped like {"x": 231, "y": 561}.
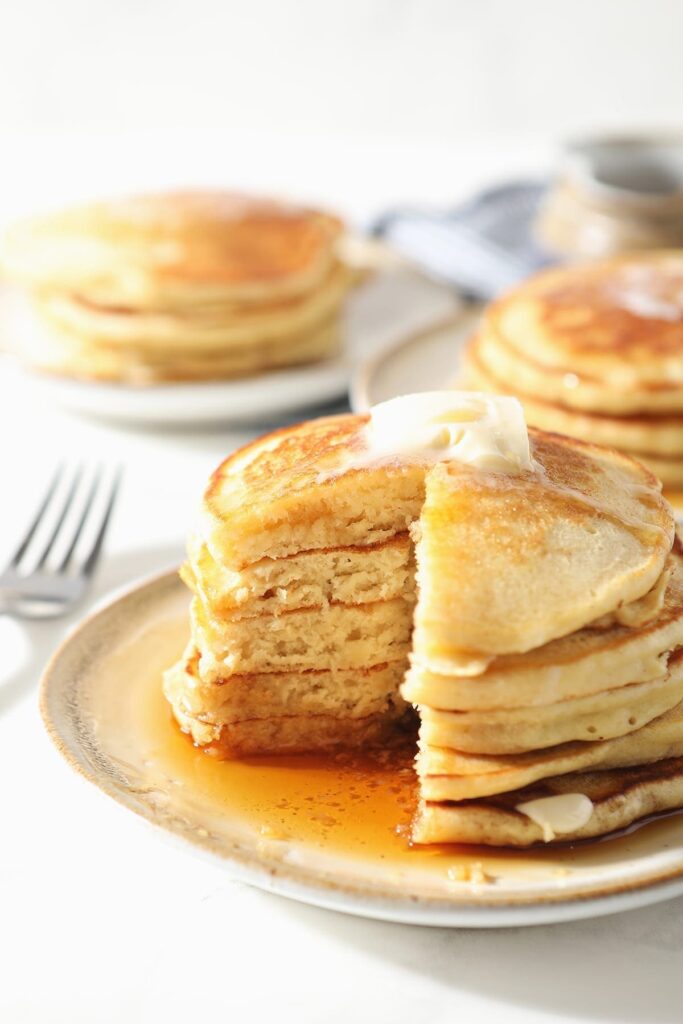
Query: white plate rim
{"x": 360, "y": 389}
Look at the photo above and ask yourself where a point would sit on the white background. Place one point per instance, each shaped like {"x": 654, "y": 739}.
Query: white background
{"x": 358, "y": 103}
{"x": 422, "y": 68}
{"x": 311, "y": 96}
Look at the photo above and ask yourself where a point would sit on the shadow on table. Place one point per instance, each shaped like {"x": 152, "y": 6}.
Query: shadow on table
{"x": 40, "y": 638}
{"x": 625, "y": 968}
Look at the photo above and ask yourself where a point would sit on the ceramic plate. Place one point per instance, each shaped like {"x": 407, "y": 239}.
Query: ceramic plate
{"x": 422, "y": 360}
{"x": 395, "y": 299}
{"x": 102, "y": 706}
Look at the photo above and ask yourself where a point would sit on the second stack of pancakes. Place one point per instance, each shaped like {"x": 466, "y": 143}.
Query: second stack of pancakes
{"x": 183, "y": 286}
{"x": 595, "y": 351}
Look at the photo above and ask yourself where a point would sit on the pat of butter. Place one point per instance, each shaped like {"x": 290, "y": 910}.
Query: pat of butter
{"x": 484, "y": 431}
{"x": 558, "y": 814}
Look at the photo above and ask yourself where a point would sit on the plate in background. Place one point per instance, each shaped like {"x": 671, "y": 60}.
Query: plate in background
{"x": 426, "y": 360}
{"x": 396, "y": 299}
{"x": 102, "y": 706}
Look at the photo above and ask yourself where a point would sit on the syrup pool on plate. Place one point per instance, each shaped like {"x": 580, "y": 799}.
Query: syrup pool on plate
{"x": 344, "y": 808}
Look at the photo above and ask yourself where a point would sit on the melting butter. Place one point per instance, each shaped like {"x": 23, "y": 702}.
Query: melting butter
{"x": 485, "y": 431}
{"x": 556, "y": 815}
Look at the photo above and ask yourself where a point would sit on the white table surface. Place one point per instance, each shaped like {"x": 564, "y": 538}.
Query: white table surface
{"x": 100, "y": 921}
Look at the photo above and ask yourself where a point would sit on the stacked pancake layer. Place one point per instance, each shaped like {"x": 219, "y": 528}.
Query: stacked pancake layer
{"x": 184, "y": 286}
{"x": 594, "y": 351}
{"x": 540, "y": 615}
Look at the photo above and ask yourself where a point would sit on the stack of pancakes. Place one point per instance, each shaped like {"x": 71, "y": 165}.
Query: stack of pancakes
{"x": 543, "y": 610}
{"x": 181, "y": 286}
{"x": 303, "y": 598}
{"x": 595, "y": 351}
{"x": 548, "y": 610}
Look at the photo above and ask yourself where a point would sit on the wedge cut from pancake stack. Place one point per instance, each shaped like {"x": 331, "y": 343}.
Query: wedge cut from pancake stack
{"x": 303, "y": 597}
{"x": 595, "y": 351}
{"x": 178, "y": 286}
{"x": 527, "y": 587}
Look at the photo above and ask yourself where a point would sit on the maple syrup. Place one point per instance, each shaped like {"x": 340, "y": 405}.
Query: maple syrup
{"x": 356, "y": 806}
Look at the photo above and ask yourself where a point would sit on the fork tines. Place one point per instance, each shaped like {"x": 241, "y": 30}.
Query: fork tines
{"x": 68, "y": 529}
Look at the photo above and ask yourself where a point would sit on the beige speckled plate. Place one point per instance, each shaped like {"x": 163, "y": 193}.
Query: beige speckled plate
{"x": 101, "y": 705}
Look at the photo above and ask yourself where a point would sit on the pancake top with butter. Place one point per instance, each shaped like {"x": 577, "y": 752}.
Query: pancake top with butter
{"x": 200, "y": 246}
{"x": 505, "y": 562}
{"x": 620, "y": 320}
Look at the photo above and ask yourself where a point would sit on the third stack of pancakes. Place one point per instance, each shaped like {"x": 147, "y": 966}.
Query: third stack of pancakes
{"x": 527, "y": 620}
{"x": 594, "y": 350}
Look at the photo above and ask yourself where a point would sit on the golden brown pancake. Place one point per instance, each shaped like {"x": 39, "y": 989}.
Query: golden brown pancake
{"x": 526, "y": 375}
{"x": 57, "y": 351}
{"x": 212, "y": 329}
{"x": 638, "y": 433}
{"x": 308, "y": 579}
{"x": 620, "y": 320}
{"x": 174, "y": 249}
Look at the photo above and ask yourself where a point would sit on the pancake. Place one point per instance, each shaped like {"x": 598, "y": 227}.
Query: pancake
{"x": 613, "y": 712}
{"x": 641, "y": 434}
{"x": 584, "y": 663}
{"x": 669, "y": 470}
{"x": 311, "y": 486}
{"x": 503, "y": 544}
{"x": 338, "y": 636}
{"x": 287, "y": 711}
{"x": 307, "y": 488}
{"x": 308, "y": 579}
{"x": 59, "y": 352}
{"x": 619, "y": 320}
{"x": 524, "y": 374}
{"x": 451, "y": 775}
{"x": 619, "y": 797}
{"x": 213, "y": 329}
{"x": 175, "y": 249}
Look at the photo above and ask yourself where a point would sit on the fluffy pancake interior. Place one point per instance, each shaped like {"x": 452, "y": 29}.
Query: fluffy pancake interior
{"x": 286, "y": 711}
{"x": 308, "y": 579}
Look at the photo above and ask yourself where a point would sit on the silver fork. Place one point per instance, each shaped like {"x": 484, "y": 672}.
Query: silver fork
{"x": 47, "y": 576}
